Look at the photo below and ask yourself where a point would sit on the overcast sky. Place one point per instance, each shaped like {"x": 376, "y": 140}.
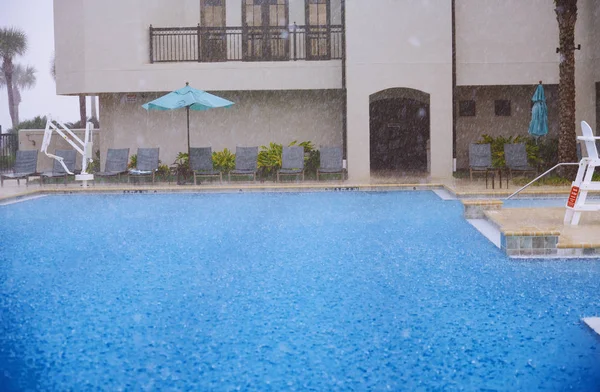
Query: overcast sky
{"x": 35, "y": 18}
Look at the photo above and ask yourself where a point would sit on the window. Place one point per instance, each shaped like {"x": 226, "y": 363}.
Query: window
{"x": 502, "y": 107}
{"x": 213, "y": 40}
{"x": 318, "y": 43}
{"x": 265, "y": 24}
{"x": 466, "y": 108}
{"x": 212, "y": 13}
{"x": 317, "y": 12}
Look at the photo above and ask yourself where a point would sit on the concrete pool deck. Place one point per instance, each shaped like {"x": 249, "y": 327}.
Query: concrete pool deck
{"x": 525, "y": 232}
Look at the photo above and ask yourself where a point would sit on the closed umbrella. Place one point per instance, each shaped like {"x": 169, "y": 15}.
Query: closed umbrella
{"x": 539, "y": 114}
{"x": 188, "y": 98}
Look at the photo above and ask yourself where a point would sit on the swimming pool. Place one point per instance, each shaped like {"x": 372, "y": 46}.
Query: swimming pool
{"x": 536, "y": 202}
{"x": 308, "y": 291}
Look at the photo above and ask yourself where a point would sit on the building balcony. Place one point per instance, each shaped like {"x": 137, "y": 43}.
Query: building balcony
{"x": 245, "y": 44}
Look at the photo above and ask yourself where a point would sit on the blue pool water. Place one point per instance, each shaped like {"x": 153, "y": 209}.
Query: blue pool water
{"x": 535, "y": 202}
{"x": 311, "y": 291}
{"x": 538, "y": 202}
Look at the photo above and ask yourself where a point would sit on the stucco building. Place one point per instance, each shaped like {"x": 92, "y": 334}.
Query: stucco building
{"x": 404, "y": 85}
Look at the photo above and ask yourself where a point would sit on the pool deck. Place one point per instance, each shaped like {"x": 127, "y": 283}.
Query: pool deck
{"x": 526, "y": 232}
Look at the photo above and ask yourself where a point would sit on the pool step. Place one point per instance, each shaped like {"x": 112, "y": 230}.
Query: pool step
{"x": 488, "y": 229}
{"x": 593, "y": 323}
{"x": 533, "y": 232}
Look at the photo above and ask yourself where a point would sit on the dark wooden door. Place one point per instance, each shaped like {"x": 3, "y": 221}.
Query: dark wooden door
{"x": 399, "y": 131}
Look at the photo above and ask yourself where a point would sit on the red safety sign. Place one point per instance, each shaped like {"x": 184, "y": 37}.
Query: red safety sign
{"x": 573, "y": 196}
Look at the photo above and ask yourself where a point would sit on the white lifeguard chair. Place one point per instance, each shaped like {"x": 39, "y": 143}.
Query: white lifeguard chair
{"x": 84, "y": 147}
{"x": 576, "y": 204}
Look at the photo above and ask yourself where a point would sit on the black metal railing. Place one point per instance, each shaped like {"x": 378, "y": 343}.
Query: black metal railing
{"x": 215, "y": 44}
{"x": 9, "y": 144}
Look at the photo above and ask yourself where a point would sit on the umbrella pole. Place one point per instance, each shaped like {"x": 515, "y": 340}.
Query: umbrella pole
{"x": 187, "y": 109}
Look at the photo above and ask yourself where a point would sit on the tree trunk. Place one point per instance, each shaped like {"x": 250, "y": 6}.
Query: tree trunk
{"x": 7, "y": 68}
{"x": 93, "y": 102}
{"x": 566, "y": 15}
{"x": 17, "y": 101}
{"x": 82, "y": 111}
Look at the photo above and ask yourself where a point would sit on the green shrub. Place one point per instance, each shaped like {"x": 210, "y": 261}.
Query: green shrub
{"x": 548, "y": 153}
{"x": 312, "y": 162}
{"x": 163, "y": 172}
{"x": 184, "y": 172}
{"x": 497, "y": 145}
{"x": 269, "y": 159}
{"x": 182, "y": 161}
{"x": 308, "y": 146}
{"x": 38, "y": 122}
{"x": 132, "y": 162}
{"x": 223, "y": 161}
{"x": 94, "y": 165}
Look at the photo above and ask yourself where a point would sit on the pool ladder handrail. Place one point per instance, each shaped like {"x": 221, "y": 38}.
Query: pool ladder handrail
{"x": 542, "y": 175}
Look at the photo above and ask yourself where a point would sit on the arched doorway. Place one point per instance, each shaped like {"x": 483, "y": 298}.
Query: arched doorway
{"x": 399, "y": 131}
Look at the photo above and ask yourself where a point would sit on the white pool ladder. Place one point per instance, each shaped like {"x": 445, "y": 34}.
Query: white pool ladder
{"x": 84, "y": 147}
{"x": 576, "y": 204}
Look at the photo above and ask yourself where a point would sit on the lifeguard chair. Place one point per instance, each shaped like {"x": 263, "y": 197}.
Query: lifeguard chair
{"x": 576, "y": 204}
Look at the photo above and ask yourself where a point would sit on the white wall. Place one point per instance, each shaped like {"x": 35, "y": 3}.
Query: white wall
{"x": 513, "y": 42}
{"x": 103, "y": 46}
{"x": 399, "y": 44}
{"x": 506, "y": 42}
{"x": 69, "y": 44}
{"x": 257, "y": 118}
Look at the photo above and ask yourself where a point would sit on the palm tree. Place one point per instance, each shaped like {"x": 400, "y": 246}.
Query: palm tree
{"x": 566, "y": 15}
{"x": 13, "y": 42}
{"x": 23, "y": 79}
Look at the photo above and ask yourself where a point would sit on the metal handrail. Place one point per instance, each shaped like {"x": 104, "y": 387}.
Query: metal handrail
{"x": 542, "y": 175}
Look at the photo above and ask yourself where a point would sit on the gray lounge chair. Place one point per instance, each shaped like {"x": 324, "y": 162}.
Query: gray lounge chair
{"x": 480, "y": 160}
{"x": 25, "y": 166}
{"x": 515, "y": 156}
{"x": 58, "y": 171}
{"x": 147, "y": 164}
{"x": 201, "y": 163}
{"x": 116, "y": 163}
{"x": 331, "y": 161}
{"x": 246, "y": 159}
{"x": 292, "y": 162}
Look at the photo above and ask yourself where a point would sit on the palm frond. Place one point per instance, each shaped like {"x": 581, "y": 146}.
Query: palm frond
{"x": 24, "y": 77}
{"x": 53, "y": 66}
{"x": 13, "y": 42}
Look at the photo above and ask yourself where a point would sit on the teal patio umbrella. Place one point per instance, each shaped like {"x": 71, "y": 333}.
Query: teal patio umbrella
{"x": 539, "y": 114}
{"x": 188, "y": 98}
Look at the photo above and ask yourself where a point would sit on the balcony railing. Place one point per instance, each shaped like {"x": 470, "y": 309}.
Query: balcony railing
{"x": 214, "y": 44}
